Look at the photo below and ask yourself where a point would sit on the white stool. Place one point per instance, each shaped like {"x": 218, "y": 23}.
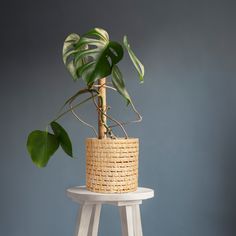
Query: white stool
{"x": 91, "y": 203}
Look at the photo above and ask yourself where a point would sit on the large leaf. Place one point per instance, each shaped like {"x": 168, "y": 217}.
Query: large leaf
{"x": 99, "y": 33}
{"x": 62, "y": 137}
{"x": 68, "y": 51}
{"x": 69, "y": 43}
{"x": 137, "y": 64}
{"x": 93, "y": 56}
{"x": 41, "y": 146}
{"x": 118, "y": 82}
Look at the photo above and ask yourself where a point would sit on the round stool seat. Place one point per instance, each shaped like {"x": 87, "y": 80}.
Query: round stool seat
{"x": 91, "y": 204}
{"x": 81, "y": 194}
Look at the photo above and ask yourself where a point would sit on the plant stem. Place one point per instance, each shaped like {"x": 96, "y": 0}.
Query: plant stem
{"x": 102, "y": 109}
{"x": 139, "y": 119}
{"x": 87, "y": 99}
{"x": 78, "y": 118}
{"x": 105, "y": 86}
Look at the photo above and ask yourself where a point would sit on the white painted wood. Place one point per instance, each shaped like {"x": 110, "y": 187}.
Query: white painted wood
{"x": 81, "y": 194}
{"x": 123, "y": 221}
{"x": 123, "y": 203}
{"x": 91, "y": 202}
{"x": 126, "y": 217}
{"x": 83, "y": 221}
{"x": 137, "y": 221}
{"x": 94, "y": 222}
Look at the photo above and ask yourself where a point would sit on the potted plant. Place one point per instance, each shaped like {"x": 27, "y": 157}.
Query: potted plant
{"x": 111, "y": 161}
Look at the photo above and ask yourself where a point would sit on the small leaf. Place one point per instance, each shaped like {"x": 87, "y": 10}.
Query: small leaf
{"x": 41, "y": 146}
{"x": 118, "y": 82}
{"x": 62, "y": 137}
{"x": 137, "y": 64}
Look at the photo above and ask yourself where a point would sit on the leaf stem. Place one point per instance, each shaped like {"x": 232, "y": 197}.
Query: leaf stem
{"x": 133, "y": 108}
{"x": 77, "y": 105}
{"x": 78, "y": 118}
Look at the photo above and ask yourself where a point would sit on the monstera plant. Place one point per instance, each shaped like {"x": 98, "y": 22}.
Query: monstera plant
{"x": 94, "y": 58}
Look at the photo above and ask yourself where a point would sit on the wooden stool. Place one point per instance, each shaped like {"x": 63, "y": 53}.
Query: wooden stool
{"x": 91, "y": 203}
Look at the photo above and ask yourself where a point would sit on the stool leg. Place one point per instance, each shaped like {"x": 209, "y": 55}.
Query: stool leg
{"x": 94, "y": 222}
{"x": 126, "y": 216}
{"x": 83, "y": 221}
{"x": 137, "y": 221}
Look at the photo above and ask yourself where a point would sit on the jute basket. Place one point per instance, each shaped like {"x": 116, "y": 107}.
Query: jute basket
{"x": 112, "y": 165}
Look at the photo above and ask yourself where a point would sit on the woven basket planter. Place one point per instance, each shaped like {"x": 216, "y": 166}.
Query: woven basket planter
{"x": 112, "y": 165}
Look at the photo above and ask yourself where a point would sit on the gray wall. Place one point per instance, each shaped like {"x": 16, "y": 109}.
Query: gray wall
{"x": 188, "y": 101}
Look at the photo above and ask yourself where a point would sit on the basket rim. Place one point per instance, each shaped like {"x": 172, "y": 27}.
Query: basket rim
{"x": 110, "y": 139}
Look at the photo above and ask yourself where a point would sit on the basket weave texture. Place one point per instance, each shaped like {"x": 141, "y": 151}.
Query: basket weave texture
{"x": 112, "y": 165}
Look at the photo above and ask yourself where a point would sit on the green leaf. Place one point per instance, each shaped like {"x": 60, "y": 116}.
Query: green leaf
{"x": 137, "y": 64}
{"x": 69, "y": 50}
{"x": 98, "y": 32}
{"x": 69, "y": 44}
{"x": 93, "y": 56}
{"x": 118, "y": 82}
{"x": 62, "y": 137}
{"x": 41, "y": 146}
{"x": 101, "y": 66}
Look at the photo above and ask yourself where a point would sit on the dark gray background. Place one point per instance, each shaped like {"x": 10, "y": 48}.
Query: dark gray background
{"x": 188, "y": 101}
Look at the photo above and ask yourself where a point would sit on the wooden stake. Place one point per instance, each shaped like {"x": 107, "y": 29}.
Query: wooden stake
{"x": 101, "y": 117}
